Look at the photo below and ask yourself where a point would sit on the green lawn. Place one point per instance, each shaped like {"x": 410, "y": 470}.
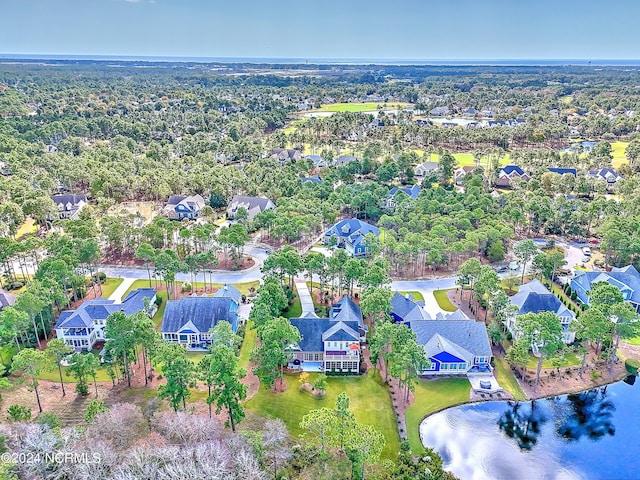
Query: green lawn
{"x": 370, "y": 402}
{"x": 617, "y": 150}
{"x": 294, "y": 310}
{"x": 109, "y": 286}
{"x": 417, "y": 296}
{"x": 26, "y": 228}
{"x": 507, "y": 380}
{"x": 433, "y": 396}
{"x": 633, "y": 341}
{"x": 242, "y": 287}
{"x": 359, "y": 107}
{"x": 53, "y": 375}
{"x": 570, "y": 360}
{"x": 195, "y": 357}
{"x": 250, "y": 335}
{"x": 443, "y": 301}
{"x": 466, "y": 159}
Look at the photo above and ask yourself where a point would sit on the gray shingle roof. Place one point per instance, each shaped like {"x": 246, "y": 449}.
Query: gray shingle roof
{"x": 101, "y": 308}
{"x": 6, "y": 299}
{"x": 468, "y": 335}
{"x": 535, "y": 298}
{"x": 203, "y": 312}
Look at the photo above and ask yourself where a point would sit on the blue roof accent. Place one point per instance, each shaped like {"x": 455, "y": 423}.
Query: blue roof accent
{"x": 188, "y": 330}
{"x": 534, "y": 297}
{"x": 469, "y": 335}
{"x": 203, "y": 312}
{"x": 315, "y": 179}
{"x": 509, "y": 169}
{"x": 346, "y": 310}
{"x": 446, "y": 357}
{"x": 626, "y": 279}
{"x": 413, "y": 191}
{"x": 101, "y": 308}
{"x": 229, "y": 291}
{"x": 563, "y": 171}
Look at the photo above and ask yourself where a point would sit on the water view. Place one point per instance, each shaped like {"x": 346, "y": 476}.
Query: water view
{"x": 589, "y": 435}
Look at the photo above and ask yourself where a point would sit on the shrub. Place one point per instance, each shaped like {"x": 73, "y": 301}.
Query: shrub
{"x": 186, "y": 287}
{"x": 158, "y": 300}
{"x": 82, "y": 388}
{"x": 94, "y": 408}
{"x": 18, "y": 413}
{"x": 49, "y": 419}
{"x": 99, "y": 276}
{"x": 632, "y": 365}
{"x": 15, "y": 285}
{"x": 574, "y": 296}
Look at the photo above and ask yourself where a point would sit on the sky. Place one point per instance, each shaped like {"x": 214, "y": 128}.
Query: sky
{"x": 325, "y": 29}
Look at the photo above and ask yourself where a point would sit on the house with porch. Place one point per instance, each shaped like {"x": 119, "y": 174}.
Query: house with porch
{"x": 69, "y": 206}
{"x": 179, "y": 207}
{"x": 81, "y": 329}
{"x": 188, "y": 320}
{"x": 608, "y": 175}
{"x": 253, "y": 206}
{"x": 330, "y": 344}
{"x": 454, "y": 347}
{"x": 349, "y": 234}
{"x": 425, "y": 168}
{"x": 534, "y": 297}
{"x": 626, "y": 279}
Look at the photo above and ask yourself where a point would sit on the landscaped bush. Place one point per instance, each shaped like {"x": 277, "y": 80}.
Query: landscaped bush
{"x": 18, "y": 413}
{"x": 99, "y": 276}
{"x": 574, "y": 296}
{"x": 15, "y": 285}
{"x": 158, "y": 300}
{"x": 632, "y": 365}
{"x": 49, "y": 419}
{"x": 186, "y": 287}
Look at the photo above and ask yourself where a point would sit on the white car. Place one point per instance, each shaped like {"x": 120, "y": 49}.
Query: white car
{"x": 586, "y": 251}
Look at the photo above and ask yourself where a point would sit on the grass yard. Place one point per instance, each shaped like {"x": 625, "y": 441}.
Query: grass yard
{"x": 443, "y": 301}
{"x": 633, "y": 341}
{"x": 370, "y": 402}
{"x": 109, "y": 286}
{"x": 359, "y": 107}
{"x": 417, "y": 296}
{"x": 195, "y": 357}
{"x": 250, "y": 335}
{"x": 242, "y": 287}
{"x": 570, "y": 360}
{"x": 26, "y": 228}
{"x": 466, "y": 159}
{"x": 294, "y": 310}
{"x": 617, "y": 150}
{"x": 433, "y": 396}
{"x": 54, "y": 376}
{"x": 507, "y": 380}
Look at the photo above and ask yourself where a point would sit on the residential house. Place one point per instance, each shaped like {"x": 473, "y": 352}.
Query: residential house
{"x": 312, "y": 180}
{"x": 608, "y": 175}
{"x": 405, "y": 309}
{"x": 82, "y": 328}
{"x": 188, "y": 320}
{"x": 626, "y": 279}
{"x": 425, "y": 168}
{"x": 318, "y": 161}
{"x": 253, "y": 206}
{"x": 179, "y": 207}
{"x": 439, "y": 111}
{"x": 284, "y": 155}
{"x": 69, "y": 206}
{"x": 563, "y": 171}
{"x": 534, "y": 297}
{"x": 349, "y": 234}
{"x": 454, "y": 347}
{"x": 469, "y": 112}
{"x": 229, "y": 291}
{"x": 508, "y": 173}
{"x": 7, "y": 299}
{"x": 412, "y": 192}
{"x": 461, "y": 172}
{"x": 330, "y": 344}
{"x": 344, "y": 160}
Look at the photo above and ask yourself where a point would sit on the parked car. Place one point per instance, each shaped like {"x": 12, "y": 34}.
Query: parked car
{"x": 585, "y": 259}
{"x": 514, "y": 266}
{"x": 500, "y": 268}
{"x": 586, "y": 251}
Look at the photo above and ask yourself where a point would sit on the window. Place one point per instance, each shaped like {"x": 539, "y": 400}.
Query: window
{"x": 445, "y": 366}
{"x": 454, "y": 366}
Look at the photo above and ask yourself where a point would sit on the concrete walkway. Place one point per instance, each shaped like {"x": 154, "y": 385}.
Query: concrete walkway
{"x": 305, "y": 298}
{"x": 117, "y": 294}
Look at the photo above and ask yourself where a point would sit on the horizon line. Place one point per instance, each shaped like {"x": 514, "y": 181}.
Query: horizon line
{"x": 314, "y": 60}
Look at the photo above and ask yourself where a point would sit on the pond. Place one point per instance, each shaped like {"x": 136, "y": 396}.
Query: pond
{"x": 588, "y": 435}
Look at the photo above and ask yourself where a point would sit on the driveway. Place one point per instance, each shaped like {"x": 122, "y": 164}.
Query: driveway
{"x": 305, "y": 298}
{"x": 118, "y": 293}
{"x": 426, "y": 289}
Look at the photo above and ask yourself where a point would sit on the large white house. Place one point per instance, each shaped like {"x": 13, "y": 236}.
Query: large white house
{"x": 81, "y": 329}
